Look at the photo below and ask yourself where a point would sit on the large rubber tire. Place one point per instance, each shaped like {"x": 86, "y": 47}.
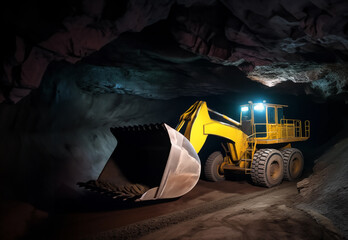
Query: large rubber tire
{"x": 267, "y": 168}
{"x": 212, "y": 167}
{"x": 293, "y": 163}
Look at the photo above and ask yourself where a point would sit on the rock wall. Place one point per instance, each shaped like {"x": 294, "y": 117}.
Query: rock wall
{"x": 60, "y": 136}
{"x": 248, "y": 34}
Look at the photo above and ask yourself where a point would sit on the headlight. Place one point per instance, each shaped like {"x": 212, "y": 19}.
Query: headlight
{"x": 245, "y": 109}
{"x": 259, "y": 107}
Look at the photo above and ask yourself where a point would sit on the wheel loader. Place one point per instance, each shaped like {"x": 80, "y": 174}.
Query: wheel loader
{"x": 166, "y": 163}
{"x": 259, "y": 144}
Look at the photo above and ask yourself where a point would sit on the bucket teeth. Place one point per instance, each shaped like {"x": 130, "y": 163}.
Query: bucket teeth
{"x": 129, "y": 191}
{"x": 139, "y": 128}
{"x": 139, "y": 132}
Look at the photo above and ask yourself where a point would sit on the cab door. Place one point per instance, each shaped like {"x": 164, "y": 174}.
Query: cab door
{"x": 271, "y": 123}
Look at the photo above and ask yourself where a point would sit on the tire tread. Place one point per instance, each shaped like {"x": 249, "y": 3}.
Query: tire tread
{"x": 287, "y": 153}
{"x": 258, "y": 168}
{"x": 209, "y": 165}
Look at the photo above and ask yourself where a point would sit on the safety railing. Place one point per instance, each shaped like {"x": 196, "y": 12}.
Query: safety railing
{"x": 288, "y": 128}
{"x": 259, "y": 130}
{"x": 307, "y": 129}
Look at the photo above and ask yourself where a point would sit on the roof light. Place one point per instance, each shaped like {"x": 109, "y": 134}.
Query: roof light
{"x": 259, "y": 107}
{"x": 245, "y": 109}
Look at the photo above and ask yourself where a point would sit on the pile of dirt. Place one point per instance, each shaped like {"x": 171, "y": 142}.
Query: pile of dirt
{"x": 326, "y": 190}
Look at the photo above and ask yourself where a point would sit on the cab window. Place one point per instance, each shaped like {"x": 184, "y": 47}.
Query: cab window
{"x": 280, "y": 114}
{"x": 260, "y": 116}
{"x": 260, "y": 123}
{"x": 271, "y": 115}
{"x": 246, "y": 115}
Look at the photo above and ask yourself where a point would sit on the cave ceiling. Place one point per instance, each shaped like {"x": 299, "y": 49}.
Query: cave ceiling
{"x": 165, "y": 49}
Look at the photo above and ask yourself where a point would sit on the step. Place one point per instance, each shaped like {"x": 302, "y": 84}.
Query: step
{"x": 233, "y": 167}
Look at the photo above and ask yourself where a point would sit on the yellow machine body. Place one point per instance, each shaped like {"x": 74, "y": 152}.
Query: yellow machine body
{"x": 240, "y": 145}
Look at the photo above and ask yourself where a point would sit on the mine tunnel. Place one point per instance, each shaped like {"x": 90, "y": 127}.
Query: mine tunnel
{"x": 77, "y": 77}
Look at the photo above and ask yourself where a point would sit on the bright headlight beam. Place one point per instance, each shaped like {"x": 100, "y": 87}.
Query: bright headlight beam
{"x": 259, "y": 107}
{"x": 245, "y": 109}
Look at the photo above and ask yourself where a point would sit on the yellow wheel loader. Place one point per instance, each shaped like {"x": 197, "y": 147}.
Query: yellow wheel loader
{"x": 166, "y": 163}
{"x": 259, "y": 144}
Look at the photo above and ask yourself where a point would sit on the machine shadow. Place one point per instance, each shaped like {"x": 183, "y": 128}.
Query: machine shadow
{"x": 94, "y": 202}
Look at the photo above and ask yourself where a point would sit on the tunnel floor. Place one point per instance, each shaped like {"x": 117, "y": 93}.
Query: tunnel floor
{"x": 222, "y": 210}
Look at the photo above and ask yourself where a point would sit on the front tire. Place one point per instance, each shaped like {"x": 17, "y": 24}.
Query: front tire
{"x": 212, "y": 167}
{"x": 267, "y": 168}
{"x": 293, "y": 163}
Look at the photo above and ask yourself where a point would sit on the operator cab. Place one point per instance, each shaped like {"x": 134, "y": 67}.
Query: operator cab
{"x": 258, "y": 118}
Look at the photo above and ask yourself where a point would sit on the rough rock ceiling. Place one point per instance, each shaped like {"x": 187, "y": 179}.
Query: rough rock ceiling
{"x": 135, "y": 64}
{"x": 271, "y": 41}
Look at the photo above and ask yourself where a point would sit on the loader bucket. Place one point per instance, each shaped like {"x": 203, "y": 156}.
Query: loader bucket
{"x": 150, "y": 162}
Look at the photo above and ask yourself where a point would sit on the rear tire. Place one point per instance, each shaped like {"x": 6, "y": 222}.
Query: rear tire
{"x": 293, "y": 163}
{"x": 267, "y": 168}
{"x": 212, "y": 170}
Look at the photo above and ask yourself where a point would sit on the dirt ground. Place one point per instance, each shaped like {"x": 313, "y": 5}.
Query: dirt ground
{"x": 260, "y": 214}
{"x": 91, "y": 214}
{"x": 222, "y": 210}
{"x": 266, "y": 215}
{"x": 94, "y": 218}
